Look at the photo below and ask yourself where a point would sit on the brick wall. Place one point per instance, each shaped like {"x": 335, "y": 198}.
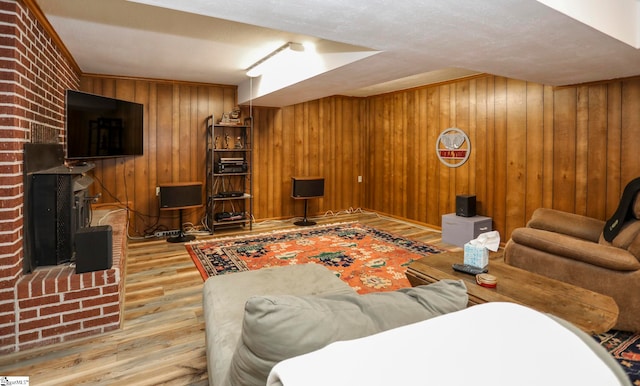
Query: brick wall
{"x": 34, "y": 74}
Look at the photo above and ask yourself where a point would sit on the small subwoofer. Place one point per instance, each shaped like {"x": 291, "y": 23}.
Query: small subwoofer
{"x": 94, "y": 248}
{"x": 466, "y": 205}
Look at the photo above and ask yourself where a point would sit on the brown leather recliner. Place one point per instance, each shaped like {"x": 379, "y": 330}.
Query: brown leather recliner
{"x": 572, "y": 248}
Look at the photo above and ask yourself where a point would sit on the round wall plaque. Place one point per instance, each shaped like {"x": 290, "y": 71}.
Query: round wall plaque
{"x": 453, "y": 147}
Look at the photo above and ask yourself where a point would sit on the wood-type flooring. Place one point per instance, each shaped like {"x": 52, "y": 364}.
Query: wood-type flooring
{"x": 162, "y": 340}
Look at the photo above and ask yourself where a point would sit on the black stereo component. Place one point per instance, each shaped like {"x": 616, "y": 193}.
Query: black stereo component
{"x": 466, "y": 205}
{"x": 229, "y": 194}
{"x": 229, "y": 216}
{"x": 94, "y": 248}
{"x": 222, "y": 167}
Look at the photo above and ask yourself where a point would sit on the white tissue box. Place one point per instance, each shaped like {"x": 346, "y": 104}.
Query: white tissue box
{"x": 476, "y": 256}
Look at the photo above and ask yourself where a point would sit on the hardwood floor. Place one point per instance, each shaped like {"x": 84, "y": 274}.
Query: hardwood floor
{"x": 162, "y": 338}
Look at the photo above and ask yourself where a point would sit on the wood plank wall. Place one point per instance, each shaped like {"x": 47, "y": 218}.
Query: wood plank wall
{"x": 174, "y": 145}
{"x": 319, "y": 138}
{"x": 570, "y": 148}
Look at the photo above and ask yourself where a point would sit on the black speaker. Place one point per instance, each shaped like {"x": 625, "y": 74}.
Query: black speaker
{"x": 180, "y": 195}
{"x": 94, "y": 248}
{"x": 307, "y": 187}
{"x": 466, "y": 205}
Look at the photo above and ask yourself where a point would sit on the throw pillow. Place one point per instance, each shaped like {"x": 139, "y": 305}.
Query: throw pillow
{"x": 280, "y": 327}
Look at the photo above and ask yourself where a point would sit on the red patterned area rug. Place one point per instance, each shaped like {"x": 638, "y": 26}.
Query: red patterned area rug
{"x": 366, "y": 258}
{"x": 625, "y": 348}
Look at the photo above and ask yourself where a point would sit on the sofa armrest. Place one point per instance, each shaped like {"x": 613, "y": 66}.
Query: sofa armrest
{"x": 604, "y": 256}
{"x": 570, "y": 224}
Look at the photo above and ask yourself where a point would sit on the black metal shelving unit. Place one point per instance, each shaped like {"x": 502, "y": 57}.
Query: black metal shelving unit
{"x": 229, "y": 180}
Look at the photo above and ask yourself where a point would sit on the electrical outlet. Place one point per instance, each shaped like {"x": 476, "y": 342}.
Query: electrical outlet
{"x": 359, "y": 178}
{"x": 157, "y": 191}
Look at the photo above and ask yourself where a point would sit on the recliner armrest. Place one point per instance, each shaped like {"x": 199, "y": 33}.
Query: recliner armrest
{"x": 570, "y": 224}
{"x": 569, "y": 247}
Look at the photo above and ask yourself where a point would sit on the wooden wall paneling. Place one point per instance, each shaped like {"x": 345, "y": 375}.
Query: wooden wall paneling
{"x": 343, "y": 186}
{"x": 150, "y": 150}
{"x": 490, "y": 198}
{"x": 173, "y": 133}
{"x": 288, "y": 117}
{"x": 314, "y": 148}
{"x": 614, "y": 146}
{"x": 413, "y": 156}
{"x": 564, "y": 164}
{"x": 500, "y": 150}
{"x": 630, "y": 162}
{"x": 596, "y": 189}
{"x": 265, "y": 173}
{"x": 515, "y": 151}
{"x": 534, "y": 160}
{"x": 376, "y": 139}
{"x": 461, "y": 108}
{"x": 422, "y": 166}
{"x": 381, "y": 176}
{"x": 198, "y": 147}
{"x": 400, "y": 154}
{"x": 548, "y": 148}
{"x": 300, "y": 150}
{"x": 472, "y": 106}
{"x": 479, "y": 146}
{"x": 373, "y": 161}
{"x": 445, "y": 205}
{"x": 355, "y": 194}
{"x": 353, "y": 190}
{"x": 199, "y": 113}
{"x": 260, "y": 168}
{"x": 432, "y": 127}
{"x": 164, "y": 120}
{"x": 187, "y": 128}
{"x": 582, "y": 147}
{"x": 282, "y": 180}
{"x": 142, "y": 188}
{"x": 330, "y": 147}
{"x": 453, "y": 172}
{"x": 258, "y": 129}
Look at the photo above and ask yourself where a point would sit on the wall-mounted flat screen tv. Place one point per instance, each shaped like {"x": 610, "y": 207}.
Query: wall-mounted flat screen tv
{"x": 102, "y": 127}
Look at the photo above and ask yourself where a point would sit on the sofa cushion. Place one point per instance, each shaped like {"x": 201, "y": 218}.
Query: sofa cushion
{"x": 602, "y": 255}
{"x": 224, "y": 298}
{"x": 570, "y": 224}
{"x": 280, "y": 327}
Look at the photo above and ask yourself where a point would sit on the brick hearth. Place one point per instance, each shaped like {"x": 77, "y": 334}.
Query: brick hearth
{"x": 54, "y": 304}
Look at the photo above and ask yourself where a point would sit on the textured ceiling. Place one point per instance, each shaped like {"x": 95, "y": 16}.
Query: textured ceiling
{"x": 380, "y": 45}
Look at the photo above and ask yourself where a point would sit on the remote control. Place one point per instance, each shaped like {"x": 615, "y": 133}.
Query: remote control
{"x": 470, "y": 269}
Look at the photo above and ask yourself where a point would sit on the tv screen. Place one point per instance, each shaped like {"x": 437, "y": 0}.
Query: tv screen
{"x": 101, "y": 127}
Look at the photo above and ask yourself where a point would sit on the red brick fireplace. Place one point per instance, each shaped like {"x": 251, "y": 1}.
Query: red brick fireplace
{"x": 52, "y": 304}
